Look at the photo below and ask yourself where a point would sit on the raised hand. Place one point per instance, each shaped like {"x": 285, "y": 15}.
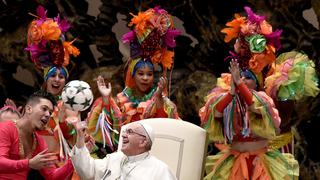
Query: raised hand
{"x": 161, "y": 90}
{"x": 43, "y": 160}
{"x": 10, "y": 102}
{"x": 162, "y": 86}
{"x": 104, "y": 90}
{"x": 81, "y": 127}
{"x": 73, "y": 119}
{"x": 90, "y": 142}
{"x": 235, "y": 71}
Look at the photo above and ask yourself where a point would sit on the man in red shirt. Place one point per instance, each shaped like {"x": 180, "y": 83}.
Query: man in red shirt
{"x": 22, "y": 149}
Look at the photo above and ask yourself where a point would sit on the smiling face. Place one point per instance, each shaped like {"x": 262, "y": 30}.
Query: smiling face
{"x": 56, "y": 82}
{"x": 134, "y": 140}
{"x": 144, "y": 79}
{"x": 39, "y": 113}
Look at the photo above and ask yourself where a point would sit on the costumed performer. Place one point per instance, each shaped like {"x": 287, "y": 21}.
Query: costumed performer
{"x": 150, "y": 41}
{"x": 239, "y": 114}
{"x": 23, "y": 149}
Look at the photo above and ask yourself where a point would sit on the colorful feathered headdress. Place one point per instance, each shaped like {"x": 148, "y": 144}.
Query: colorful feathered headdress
{"x": 46, "y": 41}
{"x": 151, "y": 39}
{"x": 256, "y": 42}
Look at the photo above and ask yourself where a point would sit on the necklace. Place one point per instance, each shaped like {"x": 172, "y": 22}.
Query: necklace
{"x": 21, "y": 148}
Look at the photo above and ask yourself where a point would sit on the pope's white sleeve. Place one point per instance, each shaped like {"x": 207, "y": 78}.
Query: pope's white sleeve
{"x": 83, "y": 163}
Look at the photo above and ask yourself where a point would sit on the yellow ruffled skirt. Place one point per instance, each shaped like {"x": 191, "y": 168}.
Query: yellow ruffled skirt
{"x": 267, "y": 165}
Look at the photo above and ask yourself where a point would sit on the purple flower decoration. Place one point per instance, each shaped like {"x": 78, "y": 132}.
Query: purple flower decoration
{"x": 128, "y": 37}
{"x": 274, "y": 39}
{"x": 169, "y": 37}
{"x": 63, "y": 24}
{"x": 135, "y": 50}
{"x": 37, "y": 49}
{"x": 42, "y": 13}
{"x": 158, "y": 10}
{"x": 252, "y": 17}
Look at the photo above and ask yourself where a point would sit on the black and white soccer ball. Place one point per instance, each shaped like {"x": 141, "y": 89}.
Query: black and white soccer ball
{"x": 77, "y": 95}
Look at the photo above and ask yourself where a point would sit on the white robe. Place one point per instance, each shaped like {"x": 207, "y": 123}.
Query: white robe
{"x": 117, "y": 166}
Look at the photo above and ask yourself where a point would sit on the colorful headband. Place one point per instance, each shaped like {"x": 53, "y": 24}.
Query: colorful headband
{"x": 255, "y": 40}
{"x": 46, "y": 41}
{"x": 50, "y": 71}
{"x": 132, "y": 68}
{"x": 153, "y": 33}
{"x": 249, "y": 74}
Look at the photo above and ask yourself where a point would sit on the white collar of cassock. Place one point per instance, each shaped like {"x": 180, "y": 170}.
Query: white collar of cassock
{"x": 138, "y": 157}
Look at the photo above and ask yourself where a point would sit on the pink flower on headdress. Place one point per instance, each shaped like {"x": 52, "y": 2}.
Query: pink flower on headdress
{"x": 161, "y": 22}
{"x": 248, "y": 29}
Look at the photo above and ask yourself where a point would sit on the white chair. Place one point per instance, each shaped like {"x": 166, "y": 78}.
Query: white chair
{"x": 180, "y": 144}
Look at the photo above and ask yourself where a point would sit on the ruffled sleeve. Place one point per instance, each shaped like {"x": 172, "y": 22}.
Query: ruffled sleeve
{"x": 104, "y": 121}
{"x": 294, "y": 78}
{"x": 214, "y": 126}
{"x": 266, "y": 123}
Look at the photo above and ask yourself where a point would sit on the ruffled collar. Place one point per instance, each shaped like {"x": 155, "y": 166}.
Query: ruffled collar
{"x": 129, "y": 93}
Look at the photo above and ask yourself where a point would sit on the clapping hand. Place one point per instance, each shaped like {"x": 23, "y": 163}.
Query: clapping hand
{"x": 104, "y": 90}
{"x": 162, "y": 86}
{"x": 235, "y": 71}
{"x": 161, "y": 90}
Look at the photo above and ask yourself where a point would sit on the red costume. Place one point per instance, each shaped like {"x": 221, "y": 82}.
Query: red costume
{"x": 15, "y": 165}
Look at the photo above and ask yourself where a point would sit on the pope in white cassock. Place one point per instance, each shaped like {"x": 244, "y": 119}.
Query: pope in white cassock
{"x": 133, "y": 162}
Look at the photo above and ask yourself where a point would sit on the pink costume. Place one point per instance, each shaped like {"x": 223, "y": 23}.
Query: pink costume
{"x": 14, "y": 165}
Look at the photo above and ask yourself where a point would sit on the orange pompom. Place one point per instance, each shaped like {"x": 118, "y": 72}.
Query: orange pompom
{"x": 233, "y": 27}
{"x": 50, "y": 30}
